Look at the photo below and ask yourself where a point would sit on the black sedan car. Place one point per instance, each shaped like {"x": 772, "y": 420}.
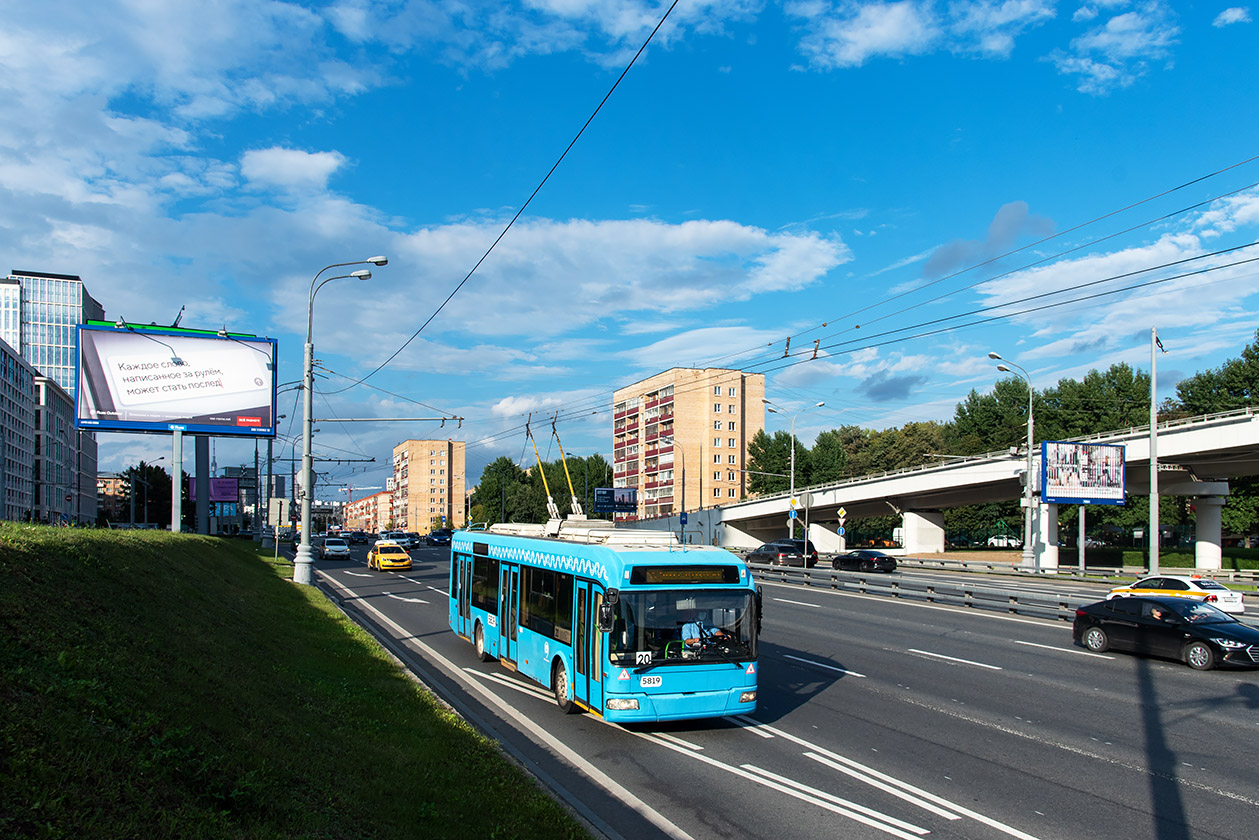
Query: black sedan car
{"x": 439, "y": 537}
{"x": 785, "y": 552}
{"x": 1194, "y": 632}
{"x": 865, "y": 560}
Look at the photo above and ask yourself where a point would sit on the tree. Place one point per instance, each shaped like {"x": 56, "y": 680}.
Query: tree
{"x": 769, "y": 462}
{"x": 1115, "y": 399}
{"x": 496, "y": 479}
{"x": 828, "y": 459}
{"x": 150, "y": 492}
{"x": 1235, "y": 384}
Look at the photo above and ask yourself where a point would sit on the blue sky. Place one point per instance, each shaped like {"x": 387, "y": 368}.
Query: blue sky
{"x": 855, "y": 174}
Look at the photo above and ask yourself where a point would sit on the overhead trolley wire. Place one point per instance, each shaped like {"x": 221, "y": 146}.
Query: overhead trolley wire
{"x": 524, "y": 206}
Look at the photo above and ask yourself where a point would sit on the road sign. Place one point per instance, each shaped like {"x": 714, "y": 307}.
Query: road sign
{"x": 842, "y": 512}
{"x": 791, "y": 514}
{"x": 840, "y": 530}
{"x": 68, "y": 498}
{"x": 795, "y": 503}
{"x": 682, "y": 517}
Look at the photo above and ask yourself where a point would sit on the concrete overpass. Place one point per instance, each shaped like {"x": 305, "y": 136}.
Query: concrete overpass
{"x": 1196, "y": 458}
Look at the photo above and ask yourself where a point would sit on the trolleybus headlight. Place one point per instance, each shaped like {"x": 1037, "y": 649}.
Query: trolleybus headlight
{"x": 623, "y": 704}
{"x": 747, "y": 697}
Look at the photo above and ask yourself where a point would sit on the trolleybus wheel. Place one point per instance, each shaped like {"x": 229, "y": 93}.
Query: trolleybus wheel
{"x": 479, "y": 640}
{"x": 559, "y": 684}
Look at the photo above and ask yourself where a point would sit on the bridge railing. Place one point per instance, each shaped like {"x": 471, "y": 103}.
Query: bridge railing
{"x": 1071, "y": 571}
{"x": 976, "y": 596}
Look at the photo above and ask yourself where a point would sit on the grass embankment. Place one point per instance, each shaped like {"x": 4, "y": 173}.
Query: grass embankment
{"x": 159, "y": 685}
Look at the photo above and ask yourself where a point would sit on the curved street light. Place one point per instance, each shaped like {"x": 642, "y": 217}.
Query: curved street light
{"x": 1029, "y": 555}
{"x": 773, "y": 409}
{"x": 302, "y": 560}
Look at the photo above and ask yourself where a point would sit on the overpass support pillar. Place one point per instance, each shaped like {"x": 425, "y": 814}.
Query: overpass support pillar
{"x": 1207, "y": 551}
{"x": 924, "y": 531}
{"x": 825, "y": 538}
{"x": 730, "y": 535}
{"x": 1045, "y": 548}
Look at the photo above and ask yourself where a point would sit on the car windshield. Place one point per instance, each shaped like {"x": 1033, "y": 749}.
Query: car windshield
{"x": 335, "y": 543}
{"x": 647, "y": 627}
{"x": 1200, "y": 613}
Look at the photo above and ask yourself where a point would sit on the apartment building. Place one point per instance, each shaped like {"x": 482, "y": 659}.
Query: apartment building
{"x": 113, "y": 497}
{"x": 428, "y": 485}
{"x": 17, "y": 434}
{"x": 371, "y": 513}
{"x": 39, "y": 315}
{"x": 697, "y": 421}
{"x": 56, "y": 455}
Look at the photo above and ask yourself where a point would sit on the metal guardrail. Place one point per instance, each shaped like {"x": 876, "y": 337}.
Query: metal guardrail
{"x": 1071, "y": 571}
{"x": 1059, "y": 607}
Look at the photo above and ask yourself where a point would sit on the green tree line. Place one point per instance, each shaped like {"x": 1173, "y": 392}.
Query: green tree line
{"x": 508, "y": 493}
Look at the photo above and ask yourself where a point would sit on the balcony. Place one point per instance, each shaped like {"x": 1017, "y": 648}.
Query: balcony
{"x": 652, "y": 403}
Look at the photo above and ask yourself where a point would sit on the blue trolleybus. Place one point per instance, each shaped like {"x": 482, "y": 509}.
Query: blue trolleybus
{"x": 596, "y": 614}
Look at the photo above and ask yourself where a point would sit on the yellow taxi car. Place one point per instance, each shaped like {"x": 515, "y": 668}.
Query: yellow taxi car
{"x": 388, "y": 556}
{"x": 1185, "y": 586}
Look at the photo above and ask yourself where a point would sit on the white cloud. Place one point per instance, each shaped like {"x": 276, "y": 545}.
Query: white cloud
{"x": 1237, "y": 14}
{"x": 850, "y": 37}
{"x": 1119, "y": 51}
{"x": 290, "y": 169}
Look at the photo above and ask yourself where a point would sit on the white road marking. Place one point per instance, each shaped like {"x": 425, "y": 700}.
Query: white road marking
{"x": 798, "y": 603}
{"x": 824, "y": 665}
{"x": 868, "y": 773}
{"x": 408, "y": 600}
{"x": 358, "y": 574}
{"x": 514, "y": 685}
{"x": 676, "y": 740}
{"x": 955, "y": 659}
{"x": 821, "y": 794}
{"x": 1064, "y": 650}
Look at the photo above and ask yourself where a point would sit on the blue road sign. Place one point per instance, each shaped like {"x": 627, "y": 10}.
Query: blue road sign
{"x": 791, "y": 514}
{"x": 840, "y": 530}
{"x": 682, "y": 516}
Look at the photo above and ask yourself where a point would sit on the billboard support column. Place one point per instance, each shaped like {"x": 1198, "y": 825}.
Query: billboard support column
{"x": 177, "y": 480}
{"x": 202, "y": 450}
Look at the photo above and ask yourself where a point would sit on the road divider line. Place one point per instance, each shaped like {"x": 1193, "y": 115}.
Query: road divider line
{"x": 955, "y": 659}
{"x": 830, "y": 797}
{"x": 676, "y": 740}
{"x": 408, "y": 600}
{"x": 894, "y": 790}
{"x": 799, "y": 603}
{"x": 357, "y": 574}
{"x": 508, "y": 682}
{"x": 781, "y": 788}
{"x": 824, "y": 665}
{"x": 1064, "y": 650}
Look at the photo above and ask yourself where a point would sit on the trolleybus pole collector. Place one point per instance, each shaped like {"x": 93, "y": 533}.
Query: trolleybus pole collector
{"x": 596, "y": 613}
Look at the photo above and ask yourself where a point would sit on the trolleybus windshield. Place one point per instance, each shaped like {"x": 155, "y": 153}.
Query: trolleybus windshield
{"x": 651, "y": 622}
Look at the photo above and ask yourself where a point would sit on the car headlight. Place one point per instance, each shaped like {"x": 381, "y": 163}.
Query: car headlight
{"x": 747, "y": 697}
{"x": 622, "y": 704}
{"x": 1229, "y": 643}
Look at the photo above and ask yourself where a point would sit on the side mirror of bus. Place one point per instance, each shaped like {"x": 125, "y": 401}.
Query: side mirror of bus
{"x": 606, "y": 617}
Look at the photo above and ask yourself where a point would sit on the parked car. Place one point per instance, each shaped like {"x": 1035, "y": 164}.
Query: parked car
{"x": 388, "y": 556}
{"x": 785, "y": 552}
{"x": 1185, "y": 586}
{"x": 865, "y": 560}
{"x": 1004, "y": 541}
{"x": 334, "y": 547}
{"x": 1191, "y": 631}
{"x": 439, "y": 537}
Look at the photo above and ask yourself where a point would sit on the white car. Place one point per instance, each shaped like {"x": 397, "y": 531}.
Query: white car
{"x": 1185, "y": 586}
{"x": 1004, "y": 541}
{"x": 335, "y": 547}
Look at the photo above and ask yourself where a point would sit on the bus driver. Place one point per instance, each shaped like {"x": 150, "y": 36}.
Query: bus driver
{"x": 694, "y": 632}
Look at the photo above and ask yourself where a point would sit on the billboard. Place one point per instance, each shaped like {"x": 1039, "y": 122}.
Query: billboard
{"x": 1082, "y": 473}
{"x": 221, "y": 489}
{"x": 153, "y": 379}
{"x": 616, "y": 500}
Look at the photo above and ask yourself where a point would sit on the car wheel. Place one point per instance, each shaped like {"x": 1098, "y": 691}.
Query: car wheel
{"x": 867, "y": 565}
{"x": 1096, "y": 640}
{"x": 559, "y": 684}
{"x": 1199, "y": 656}
{"x": 479, "y": 641}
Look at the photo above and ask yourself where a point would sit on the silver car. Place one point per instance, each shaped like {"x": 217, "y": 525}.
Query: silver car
{"x": 335, "y": 547}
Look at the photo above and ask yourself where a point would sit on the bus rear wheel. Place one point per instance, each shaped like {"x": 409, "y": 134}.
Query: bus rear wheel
{"x": 478, "y": 637}
{"x": 559, "y": 685}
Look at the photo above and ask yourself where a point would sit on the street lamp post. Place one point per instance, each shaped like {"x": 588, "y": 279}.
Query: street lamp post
{"x": 302, "y": 560}
{"x": 772, "y": 409}
{"x": 1029, "y": 555}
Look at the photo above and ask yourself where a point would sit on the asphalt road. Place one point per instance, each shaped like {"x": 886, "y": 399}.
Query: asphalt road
{"x": 877, "y": 717}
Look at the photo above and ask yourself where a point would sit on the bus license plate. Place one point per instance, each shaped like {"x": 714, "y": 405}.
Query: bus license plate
{"x": 651, "y": 682}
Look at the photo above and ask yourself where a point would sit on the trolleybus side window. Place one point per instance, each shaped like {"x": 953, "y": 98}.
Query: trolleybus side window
{"x": 547, "y": 605}
{"x": 485, "y": 583}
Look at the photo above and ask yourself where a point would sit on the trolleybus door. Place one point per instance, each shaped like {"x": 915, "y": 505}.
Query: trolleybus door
{"x": 463, "y": 583}
{"x": 587, "y": 647}
{"x": 507, "y": 614}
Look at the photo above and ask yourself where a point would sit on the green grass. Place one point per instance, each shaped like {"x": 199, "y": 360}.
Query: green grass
{"x": 161, "y": 685}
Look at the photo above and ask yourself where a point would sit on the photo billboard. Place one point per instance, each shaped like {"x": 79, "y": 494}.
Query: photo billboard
{"x": 153, "y": 379}
{"x": 616, "y": 500}
{"x": 221, "y": 489}
{"x": 1082, "y": 473}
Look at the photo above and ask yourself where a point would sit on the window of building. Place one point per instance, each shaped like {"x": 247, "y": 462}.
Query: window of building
{"x": 716, "y": 408}
{"x": 716, "y": 475}
{"x": 730, "y": 409}
{"x": 716, "y": 492}
{"x": 717, "y": 459}
{"x": 730, "y": 426}
{"x": 730, "y": 492}
{"x": 730, "y": 475}
{"x": 730, "y": 392}
{"x": 717, "y": 425}
{"x": 733, "y": 443}
{"x": 730, "y": 457}
{"x": 717, "y": 442}
{"x": 717, "y": 390}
